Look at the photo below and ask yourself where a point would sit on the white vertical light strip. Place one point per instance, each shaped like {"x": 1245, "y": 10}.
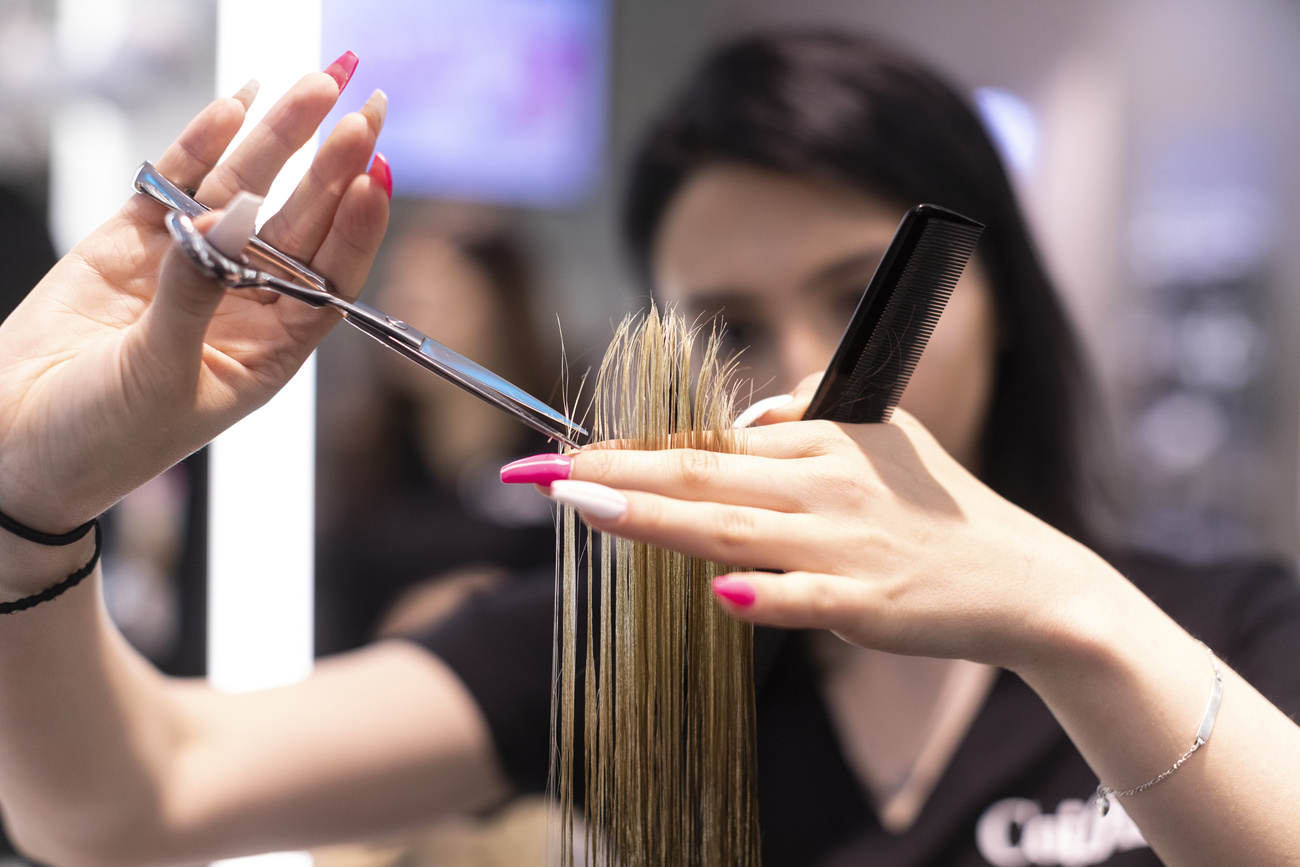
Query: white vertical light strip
{"x": 261, "y": 526}
{"x": 90, "y": 137}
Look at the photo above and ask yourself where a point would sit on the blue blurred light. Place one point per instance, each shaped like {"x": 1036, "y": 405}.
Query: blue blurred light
{"x": 1012, "y": 124}
{"x": 489, "y": 100}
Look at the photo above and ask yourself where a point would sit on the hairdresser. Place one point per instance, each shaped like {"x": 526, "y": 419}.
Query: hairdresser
{"x": 973, "y": 668}
{"x": 123, "y": 360}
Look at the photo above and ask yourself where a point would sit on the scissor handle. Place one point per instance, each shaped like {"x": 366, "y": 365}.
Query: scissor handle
{"x": 388, "y": 330}
{"x": 261, "y": 255}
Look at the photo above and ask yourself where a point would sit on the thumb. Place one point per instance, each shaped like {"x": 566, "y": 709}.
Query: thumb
{"x": 803, "y": 395}
{"x": 186, "y": 298}
{"x": 782, "y": 407}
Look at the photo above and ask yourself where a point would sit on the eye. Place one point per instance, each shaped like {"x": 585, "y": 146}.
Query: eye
{"x": 743, "y": 334}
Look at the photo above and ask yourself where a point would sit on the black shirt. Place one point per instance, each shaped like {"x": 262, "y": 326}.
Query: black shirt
{"x": 1016, "y": 792}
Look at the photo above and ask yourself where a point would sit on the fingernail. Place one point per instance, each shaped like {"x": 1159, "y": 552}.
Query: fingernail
{"x": 381, "y": 171}
{"x": 736, "y": 592}
{"x": 341, "y": 70}
{"x": 376, "y": 110}
{"x": 589, "y": 498}
{"x": 236, "y": 226}
{"x": 248, "y": 93}
{"x": 759, "y": 408}
{"x": 537, "y": 470}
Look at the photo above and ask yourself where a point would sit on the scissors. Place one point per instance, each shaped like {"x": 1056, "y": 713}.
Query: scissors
{"x": 265, "y": 267}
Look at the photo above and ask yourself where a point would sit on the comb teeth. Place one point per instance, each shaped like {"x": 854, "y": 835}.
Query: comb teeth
{"x": 896, "y": 316}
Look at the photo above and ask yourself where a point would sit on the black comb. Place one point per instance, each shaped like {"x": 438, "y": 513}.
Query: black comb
{"x": 896, "y": 316}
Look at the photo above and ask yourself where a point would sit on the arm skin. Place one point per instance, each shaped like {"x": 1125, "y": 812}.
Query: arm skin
{"x": 120, "y": 362}
{"x": 890, "y": 543}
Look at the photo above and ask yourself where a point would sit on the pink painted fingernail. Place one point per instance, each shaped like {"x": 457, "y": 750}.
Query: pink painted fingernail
{"x": 591, "y": 499}
{"x": 381, "y": 171}
{"x": 341, "y": 70}
{"x": 537, "y": 470}
{"x": 735, "y": 591}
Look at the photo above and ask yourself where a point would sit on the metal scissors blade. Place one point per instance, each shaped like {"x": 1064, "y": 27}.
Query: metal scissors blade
{"x": 268, "y": 268}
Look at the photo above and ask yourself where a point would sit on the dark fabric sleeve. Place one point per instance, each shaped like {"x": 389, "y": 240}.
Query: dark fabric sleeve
{"x": 1261, "y": 635}
{"x": 1247, "y": 613}
{"x": 499, "y": 644}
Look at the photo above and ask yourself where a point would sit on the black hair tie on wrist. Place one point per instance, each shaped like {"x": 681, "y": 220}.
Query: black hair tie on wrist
{"x": 58, "y": 540}
{"x": 67, "y": 583}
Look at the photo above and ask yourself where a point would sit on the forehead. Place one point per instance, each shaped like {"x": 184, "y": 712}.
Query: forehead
{"x": 734, "y": 227}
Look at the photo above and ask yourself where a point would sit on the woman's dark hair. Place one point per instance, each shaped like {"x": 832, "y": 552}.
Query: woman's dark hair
{"x": 854, "y": 113}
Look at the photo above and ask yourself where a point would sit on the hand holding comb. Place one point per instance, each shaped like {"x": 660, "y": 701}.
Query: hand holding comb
{"x": 896, "y": 316}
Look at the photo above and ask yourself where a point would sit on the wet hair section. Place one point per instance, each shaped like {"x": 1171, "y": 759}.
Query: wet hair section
{"x": 667, "y": 746}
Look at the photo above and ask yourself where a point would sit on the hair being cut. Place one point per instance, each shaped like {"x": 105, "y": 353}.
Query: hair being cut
{"x": 655, "y": 701}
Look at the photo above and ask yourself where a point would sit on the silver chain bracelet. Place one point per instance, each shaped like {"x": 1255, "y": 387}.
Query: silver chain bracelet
{"x": 1105, "y": 792}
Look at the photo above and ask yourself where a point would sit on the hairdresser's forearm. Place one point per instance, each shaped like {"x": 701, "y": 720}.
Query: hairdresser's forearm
{"x": 85, "y": 732}
{"x": 1130, "y": 687}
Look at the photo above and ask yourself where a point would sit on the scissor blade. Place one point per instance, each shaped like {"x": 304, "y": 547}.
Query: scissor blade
{"x": 506, "y": 395}
{"x": 456, "y": 368}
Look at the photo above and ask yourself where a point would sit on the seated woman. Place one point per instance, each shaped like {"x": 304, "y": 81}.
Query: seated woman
{"x": 123, "y": 360}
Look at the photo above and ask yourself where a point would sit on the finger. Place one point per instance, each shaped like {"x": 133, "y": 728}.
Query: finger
{"x": 782, "y": 407}
{"x": 353, "y": 239}
{"x": 302, "y": 224}
{"x": 797, "y": 600}
{"x": 739, "y": 535}
{"x": 693, "y": 474}
{"x": 803, "y": 395}
{"x": 175, "y": 323}
{"x": 759, "y": 409}
{"x": 808, "y": 439}
{"x": 286, "y": 127}
{"x": 189, "y": 159}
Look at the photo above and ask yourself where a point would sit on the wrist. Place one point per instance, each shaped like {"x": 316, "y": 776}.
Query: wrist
{"x": 33, "y": 513}
{"x": 1090, "y": 611}
{"x": 27, "y": 567}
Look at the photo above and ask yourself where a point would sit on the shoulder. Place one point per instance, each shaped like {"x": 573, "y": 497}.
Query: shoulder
{"x": 1246, "y": 610}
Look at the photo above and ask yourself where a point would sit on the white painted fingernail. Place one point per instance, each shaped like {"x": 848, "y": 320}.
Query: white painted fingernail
{"x": 376, "y": 110}
{"x": 248, "y": 92}
{"x": 231, "y": 233}
{"x": 589, "y": 498}
{"x": 756, "y": 411}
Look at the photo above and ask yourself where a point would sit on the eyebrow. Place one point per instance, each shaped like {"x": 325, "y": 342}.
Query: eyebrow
{"x": 849, "y": 266}
{"x": 829, "y": 276}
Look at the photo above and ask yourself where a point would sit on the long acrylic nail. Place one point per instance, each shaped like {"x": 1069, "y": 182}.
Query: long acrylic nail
{"x": 537, "y": 470}
{"x": 759, "y": 408}
{"x": 248, "y": 93}
{"x": 341, "y": 70}
{"x": 376, "y": 110}
{"x": 381, "y": 171}
{"x": 231, "y": 233}
{"x": 735, "y": 591}
{"x": 589, "y": 498}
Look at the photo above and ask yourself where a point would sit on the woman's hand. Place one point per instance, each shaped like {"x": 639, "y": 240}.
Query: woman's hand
{"x": 124, "y": 359}
{"x": 882, "y": 536}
